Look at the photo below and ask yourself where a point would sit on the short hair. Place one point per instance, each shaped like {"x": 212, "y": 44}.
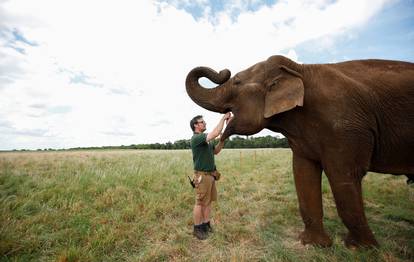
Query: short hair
{"x": 194, "y": 121}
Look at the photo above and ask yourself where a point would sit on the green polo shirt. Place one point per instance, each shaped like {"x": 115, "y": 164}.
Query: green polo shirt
{"x": 203, "y": 153}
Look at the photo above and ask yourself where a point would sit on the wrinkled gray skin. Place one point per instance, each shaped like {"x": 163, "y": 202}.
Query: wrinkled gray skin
{"x": 346, "y": 119}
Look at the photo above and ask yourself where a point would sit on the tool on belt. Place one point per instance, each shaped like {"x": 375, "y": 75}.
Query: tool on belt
{"x": 216, "y": 174}
{"x": 191, "y": 182}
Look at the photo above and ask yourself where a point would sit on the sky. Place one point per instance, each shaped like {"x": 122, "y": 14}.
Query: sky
{"x": 83, "y": 73}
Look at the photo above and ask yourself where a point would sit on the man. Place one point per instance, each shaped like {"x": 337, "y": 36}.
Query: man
{"x": 204, "y": 171}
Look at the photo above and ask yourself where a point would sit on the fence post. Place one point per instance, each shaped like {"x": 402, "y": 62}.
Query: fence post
{"x": 240, "y": 158}
{"x": 254, "y": 156}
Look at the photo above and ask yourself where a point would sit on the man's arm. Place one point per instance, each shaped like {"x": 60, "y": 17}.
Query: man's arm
{"x": 218, "y": 147}
{"x": 217, "y": 130}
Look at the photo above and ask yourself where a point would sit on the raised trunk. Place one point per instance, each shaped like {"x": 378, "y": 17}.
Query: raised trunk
{"x": 213, "y": 99}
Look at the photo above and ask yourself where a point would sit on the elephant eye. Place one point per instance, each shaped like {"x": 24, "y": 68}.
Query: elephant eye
{"x": 276, "y": 80}
{"x": 236, "y": 80}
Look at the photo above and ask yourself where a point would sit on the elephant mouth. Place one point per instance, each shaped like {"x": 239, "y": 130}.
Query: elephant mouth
{"x": 229, "y": 130}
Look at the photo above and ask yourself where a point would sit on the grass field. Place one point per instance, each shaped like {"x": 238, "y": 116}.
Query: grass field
{"x": 136, "y": 206}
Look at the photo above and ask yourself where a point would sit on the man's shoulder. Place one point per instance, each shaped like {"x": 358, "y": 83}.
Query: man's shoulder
{"x": 198, "y": 138}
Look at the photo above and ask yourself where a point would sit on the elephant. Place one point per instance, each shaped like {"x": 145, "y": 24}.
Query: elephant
{"x": 342, "y": 118}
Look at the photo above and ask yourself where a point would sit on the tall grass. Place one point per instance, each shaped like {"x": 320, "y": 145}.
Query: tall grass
{"x": 137, "y": 206}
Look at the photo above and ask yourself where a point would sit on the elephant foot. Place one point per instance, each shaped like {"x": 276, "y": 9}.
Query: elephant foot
{"x": 353, "y": 242}
{"x": 315, "y": 238}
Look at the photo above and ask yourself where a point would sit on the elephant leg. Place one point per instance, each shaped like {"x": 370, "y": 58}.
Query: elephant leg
{"x": 410, "y": 179}
{"x": 347, "y": 191}
{"x": 308, "y": 187}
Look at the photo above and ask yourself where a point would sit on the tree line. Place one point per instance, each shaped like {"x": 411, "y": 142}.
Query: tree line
{"x": 233, "y": 142}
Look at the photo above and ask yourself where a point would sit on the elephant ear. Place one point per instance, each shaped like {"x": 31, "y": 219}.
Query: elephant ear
{"x": 284, "y": 92}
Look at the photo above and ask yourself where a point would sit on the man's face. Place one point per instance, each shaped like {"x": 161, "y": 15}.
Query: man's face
{"x": 201, "y": 125}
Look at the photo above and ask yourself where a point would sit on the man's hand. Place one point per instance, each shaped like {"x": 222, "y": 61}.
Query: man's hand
{"x": 217, "y": 130}
{"x": 229, "y": 118}
{"x": 226, "y": 116}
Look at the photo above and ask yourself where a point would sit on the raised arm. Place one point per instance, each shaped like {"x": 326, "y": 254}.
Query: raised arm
{"x": 217, "y": 130}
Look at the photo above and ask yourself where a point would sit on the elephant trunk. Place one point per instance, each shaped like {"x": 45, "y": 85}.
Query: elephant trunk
{"x": 213, "y": 99}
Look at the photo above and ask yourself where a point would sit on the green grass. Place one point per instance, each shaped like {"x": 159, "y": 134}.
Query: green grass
{"x": 137, "y": 206}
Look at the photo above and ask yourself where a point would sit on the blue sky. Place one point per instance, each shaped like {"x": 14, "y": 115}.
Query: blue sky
{"x": 93, "y": 73}
{"x": 197, "y": 8}
{"x": 388, "y": 35}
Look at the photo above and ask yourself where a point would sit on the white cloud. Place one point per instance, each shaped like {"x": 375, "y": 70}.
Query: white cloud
{"x": 130, "y": 60}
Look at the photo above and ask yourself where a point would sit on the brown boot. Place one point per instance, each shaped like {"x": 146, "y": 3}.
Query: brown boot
{"x": 199, "y": 232}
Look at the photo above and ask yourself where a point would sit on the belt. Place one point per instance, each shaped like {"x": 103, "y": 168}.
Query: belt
{"x": 204, "y": 172}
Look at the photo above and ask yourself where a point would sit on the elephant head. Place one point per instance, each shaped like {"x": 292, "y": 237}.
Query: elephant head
{"x": 254, "y": 95}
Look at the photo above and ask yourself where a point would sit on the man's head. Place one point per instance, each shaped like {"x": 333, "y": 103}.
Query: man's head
{"x": 198, "y": 124}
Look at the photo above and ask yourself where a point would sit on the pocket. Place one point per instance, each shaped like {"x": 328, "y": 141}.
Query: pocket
{"x": 201, "y": 192}
{"x": 197, "y": 178}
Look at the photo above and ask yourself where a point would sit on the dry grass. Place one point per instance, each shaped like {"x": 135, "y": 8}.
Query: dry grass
{"x": 131, "y": 205}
